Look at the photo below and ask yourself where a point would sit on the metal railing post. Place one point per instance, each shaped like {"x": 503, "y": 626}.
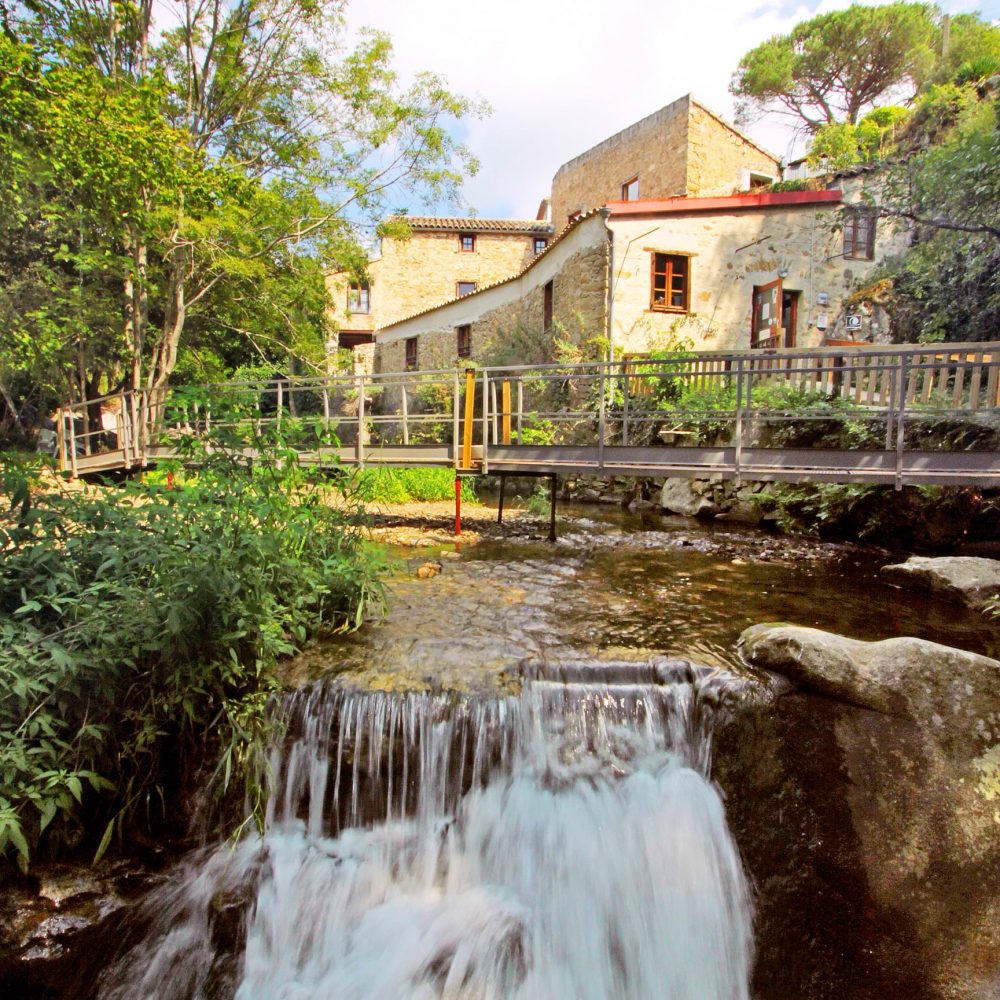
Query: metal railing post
{"x": 900, "y": 421}
{"x": 600, "y": 423}
{"x": 486, "y": 420}
{"x": 520, "y": 407}
{"x": 360, "y": 444}
{"x": 281, "y": 403}
{"x": 454, "y": 421}
{"x": 738, "y": 449}
{"x": 406, "y": 424}
{"x": 625, "y": 404}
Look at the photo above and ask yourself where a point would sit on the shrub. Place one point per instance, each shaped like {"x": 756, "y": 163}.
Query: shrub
{"x": 391, "y": 485}
{"x": 140, "y": 628}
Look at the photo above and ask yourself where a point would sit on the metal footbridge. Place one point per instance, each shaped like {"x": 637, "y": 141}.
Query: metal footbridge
{"x": 896, "y": 415}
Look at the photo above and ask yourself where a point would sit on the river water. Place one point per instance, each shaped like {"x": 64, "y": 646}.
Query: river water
{"x": 525, "y": 807}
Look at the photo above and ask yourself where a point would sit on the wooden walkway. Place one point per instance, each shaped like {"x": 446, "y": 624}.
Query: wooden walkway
{"x": 899, "y": 415}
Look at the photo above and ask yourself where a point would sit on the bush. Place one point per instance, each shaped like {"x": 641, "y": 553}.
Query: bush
{"x": 390, "y": 485}
{"x": 140, "y": 629}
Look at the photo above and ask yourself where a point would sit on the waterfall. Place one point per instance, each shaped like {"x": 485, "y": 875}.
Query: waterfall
{"x": 563, "y": 843}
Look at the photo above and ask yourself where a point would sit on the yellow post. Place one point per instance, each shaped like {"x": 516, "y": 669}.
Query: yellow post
{"x": 506, "y": 411}
{"x": 470, "y": 404}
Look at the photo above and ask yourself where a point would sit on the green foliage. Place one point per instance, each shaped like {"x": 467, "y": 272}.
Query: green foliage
{"x": 140, "y": 628}
{"x": 792, "y": 185}
{"x": 947, "y": 286}
{"x": 840, "y": 144}
{"x": 391, "y": 485}
{"x": 174, "y": 188}
{"x": 830, "y": 68}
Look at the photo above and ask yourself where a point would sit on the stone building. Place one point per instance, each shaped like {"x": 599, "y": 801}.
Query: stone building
{"x": 443, "y": 259}
{"x": 682, "y": 149}
{"x": 668, "y": 235}
{"x": 752, "y": 270}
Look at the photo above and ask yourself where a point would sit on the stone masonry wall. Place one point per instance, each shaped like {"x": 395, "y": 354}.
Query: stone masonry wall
{"x": 511, "y": 333}
{"x": 682, "y": 149}
{"x": 716, "y": 156}
{"x": 653, "y": 148}
{"x": 423, "y": 271}
{"x": 731, "y": 253}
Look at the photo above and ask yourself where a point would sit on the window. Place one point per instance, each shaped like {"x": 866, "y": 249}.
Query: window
{"x": 630, "y": 189}
{"x": 547, "y": 306}
{"x": 540, "y": 244}
{"x": 463, "y": 335}
{"x": 671, "y": 282}
{"x": 467, "y": 241}
{"x": 859, "y": 234}
{"x": 465, "y": 288}
{"x": 358, "y": 298}
{"x": 411, "y": 354}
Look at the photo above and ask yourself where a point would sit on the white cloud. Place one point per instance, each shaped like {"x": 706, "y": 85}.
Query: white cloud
{"x": 562, "y": 76}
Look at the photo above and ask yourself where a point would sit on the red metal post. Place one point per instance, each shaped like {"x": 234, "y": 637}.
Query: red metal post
{"x": 458, "y": 506}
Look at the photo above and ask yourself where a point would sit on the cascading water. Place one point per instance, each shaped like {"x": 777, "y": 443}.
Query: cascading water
{"x": 564, "y": 843}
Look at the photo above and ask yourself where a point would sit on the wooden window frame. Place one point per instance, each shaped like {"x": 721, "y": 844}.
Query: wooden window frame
{"x": 543, "y": 240}
{"x": 548, "y": 304}
{"x": 627, "y": 184}
{"x": 471, "y": 237}
{"x": 854, "y": 247}
{"x": 463, "y": 340}
{"x": 668, "y": 283}
{"x": 412, "y": 347}
{"x": 358, "y": 288}
{"x": 459, "y": 294}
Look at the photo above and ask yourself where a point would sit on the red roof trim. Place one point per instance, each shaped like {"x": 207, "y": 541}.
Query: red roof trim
{"x": 728, "y": 203}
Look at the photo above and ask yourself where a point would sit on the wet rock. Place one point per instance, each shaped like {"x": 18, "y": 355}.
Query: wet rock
{"x": 428, "y": 569}
{"x": 640, "y": 504}
{"x": 741, "y": 512}
{"x": 888, "y": 757}
{"x": 970, "y": 579}
{"x": 55, "y": 927}
{"x": 679, "y": 497}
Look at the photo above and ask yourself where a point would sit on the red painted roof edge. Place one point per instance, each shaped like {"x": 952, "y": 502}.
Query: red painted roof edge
{"x": 765, "y": 199}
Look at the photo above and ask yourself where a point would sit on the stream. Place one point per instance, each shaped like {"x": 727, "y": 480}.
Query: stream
{"x": 507, "y": 789}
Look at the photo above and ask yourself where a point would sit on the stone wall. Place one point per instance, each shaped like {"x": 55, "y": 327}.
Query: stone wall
{"x": 653, "y": 149}
{"x": 718, "y": 156}
{"x": 506, "y": 321}
{"x": 423, "y": 271}
{"x": 682, "y": 149}
{"x": 731, "y": 253}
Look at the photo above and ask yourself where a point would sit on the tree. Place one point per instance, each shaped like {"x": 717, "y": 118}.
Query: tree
{"x": 272, "y": 140}
{"x": 840, "y": 144}
{"x": 830, "y": 68}
{"x": 947, "y": 284}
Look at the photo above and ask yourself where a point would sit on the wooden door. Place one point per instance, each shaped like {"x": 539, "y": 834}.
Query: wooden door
{"x": 765, "y": 329}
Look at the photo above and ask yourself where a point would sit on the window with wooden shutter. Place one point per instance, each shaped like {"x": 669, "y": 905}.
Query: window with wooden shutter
{"x": 411, "y": 354}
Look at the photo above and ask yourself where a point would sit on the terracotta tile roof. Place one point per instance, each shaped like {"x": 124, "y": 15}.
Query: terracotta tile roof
{"x": 722, "y": 203}
{"x": 475, "y": 225}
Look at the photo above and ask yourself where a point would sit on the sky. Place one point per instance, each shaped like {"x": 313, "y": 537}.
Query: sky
{"x": 561, "y": 75}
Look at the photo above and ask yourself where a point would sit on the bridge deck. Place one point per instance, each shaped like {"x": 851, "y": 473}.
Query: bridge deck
{"x": 720, "y": 415}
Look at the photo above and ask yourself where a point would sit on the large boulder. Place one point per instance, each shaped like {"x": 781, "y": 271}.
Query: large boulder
{"x": 972, "y": 580}
{"x": 683, "y": 496}
{"x": 883, "y": 758}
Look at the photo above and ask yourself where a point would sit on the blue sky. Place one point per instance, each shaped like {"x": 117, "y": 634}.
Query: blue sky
{"x": 563, "y": 74}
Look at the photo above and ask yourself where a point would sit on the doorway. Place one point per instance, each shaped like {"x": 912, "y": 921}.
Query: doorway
{"x": 775, "y": 315}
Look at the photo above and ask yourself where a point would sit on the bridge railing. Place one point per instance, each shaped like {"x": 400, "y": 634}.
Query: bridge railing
{"x": 883, "y": 397}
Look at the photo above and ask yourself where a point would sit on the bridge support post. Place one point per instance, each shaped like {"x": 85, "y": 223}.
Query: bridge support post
{"x": 458, "y": 506}
{"x": 503, "y": 486}
{"x": 552, "y": 507}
